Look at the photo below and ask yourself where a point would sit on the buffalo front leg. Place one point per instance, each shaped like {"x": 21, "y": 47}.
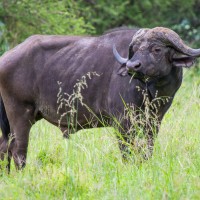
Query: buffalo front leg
{"x": 133, "y": 144}
{"x": 150, "y": 143}
{"x": 136, "y": 148}
{"x": 125, "y": 151}
{"x": 65, "y": 132}
{"x": 151, "y": 133}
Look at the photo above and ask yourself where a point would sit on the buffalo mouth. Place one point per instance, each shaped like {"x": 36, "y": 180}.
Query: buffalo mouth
{"x": 142, "y": 77}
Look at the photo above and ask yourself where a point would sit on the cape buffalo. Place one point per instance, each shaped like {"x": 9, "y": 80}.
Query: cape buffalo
{"x": 35, "y": 74}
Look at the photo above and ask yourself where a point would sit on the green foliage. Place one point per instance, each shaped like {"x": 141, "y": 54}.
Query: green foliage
{"x": 190, "y": 33}
{"x": 23, "y": 18}
{"x": 27, "y": 17}
{"x": 3, "y": 40}
{"x": 147, "y": 13}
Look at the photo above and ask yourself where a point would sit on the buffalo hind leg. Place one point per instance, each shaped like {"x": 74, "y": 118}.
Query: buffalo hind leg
{"x": 21, "y": 119}
{"x": 3, "y": 150}
{"x": 19, "y": 143}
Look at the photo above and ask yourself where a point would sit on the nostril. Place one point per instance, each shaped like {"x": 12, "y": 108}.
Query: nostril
{"x": 136, "y": 65}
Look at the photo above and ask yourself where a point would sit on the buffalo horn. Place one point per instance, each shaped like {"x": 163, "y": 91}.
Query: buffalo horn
{"x": 120, "y": 59}
{"x": 186, "y": 50}
{"x": 175, "y": 41}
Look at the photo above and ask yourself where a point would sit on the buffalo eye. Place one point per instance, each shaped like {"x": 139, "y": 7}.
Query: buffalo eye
{"x": 156, "y": 50}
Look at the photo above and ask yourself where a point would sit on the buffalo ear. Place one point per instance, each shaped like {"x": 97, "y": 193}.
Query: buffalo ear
{"x": 183, "y": 60}
{"x": 122, "y": 71}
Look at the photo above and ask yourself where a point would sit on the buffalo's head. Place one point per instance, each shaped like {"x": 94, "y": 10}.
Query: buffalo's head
{"x": 153, "y": 52}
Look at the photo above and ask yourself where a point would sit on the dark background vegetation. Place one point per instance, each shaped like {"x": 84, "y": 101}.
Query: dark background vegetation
{"x": 22, "y": 18}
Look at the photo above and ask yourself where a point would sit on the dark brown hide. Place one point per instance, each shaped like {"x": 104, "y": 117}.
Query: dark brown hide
{"x": 29, "y": 76}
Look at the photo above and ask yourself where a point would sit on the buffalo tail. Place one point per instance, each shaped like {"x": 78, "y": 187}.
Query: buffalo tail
{"x": 4, "y": 123}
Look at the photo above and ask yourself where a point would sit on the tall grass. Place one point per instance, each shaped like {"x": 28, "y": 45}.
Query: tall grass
{"x": 89, "y": 164}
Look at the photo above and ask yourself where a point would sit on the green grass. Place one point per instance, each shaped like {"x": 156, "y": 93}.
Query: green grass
{"x": 89, "y": 165}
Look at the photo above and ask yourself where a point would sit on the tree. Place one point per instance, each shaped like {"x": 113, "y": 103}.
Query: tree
{"x": 23, "y": 18}
{"x": 180, "y": 15}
